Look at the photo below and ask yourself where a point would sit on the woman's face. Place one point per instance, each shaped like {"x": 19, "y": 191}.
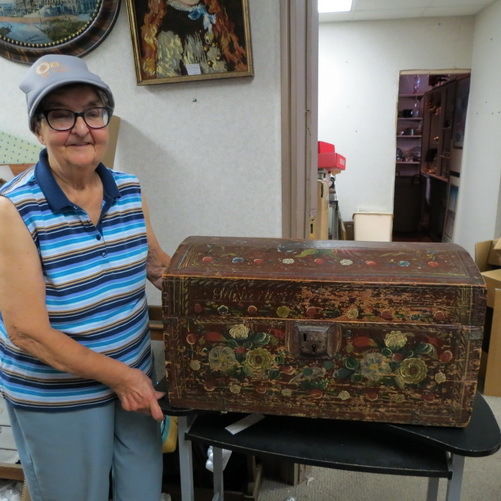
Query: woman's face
{"x": 80, "y": 146}
{"x": 190, "y": 3}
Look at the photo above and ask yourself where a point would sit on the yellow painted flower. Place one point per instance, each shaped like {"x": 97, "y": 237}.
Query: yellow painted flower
{"x": 258, "y": 361}
{"x": 286, "y": 392}
{"x": 239, "y": 331}
{"x": 440, "y": 377}
{"x": 375, "y": 366}
{"x": 412, "y": 370}
{"x": 235, "y": 388}
{"x": 222, "y": 358}
{"x": 352, "y": 313}
{"x": 195, "y": 365}
{"x": 395, "y": 340}
{"x": 344, "y": 395}
{"x": 283, "y": 311}
{"x": 397, "y": 398}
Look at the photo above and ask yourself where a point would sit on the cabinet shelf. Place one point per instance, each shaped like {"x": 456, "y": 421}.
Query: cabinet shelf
{"x": 410, "y": 118}
{"x": 408, "y": 163}
{"x": 408, "y": 136}
{"x": 420, "y": 95}
{"x": 436, "y": 176}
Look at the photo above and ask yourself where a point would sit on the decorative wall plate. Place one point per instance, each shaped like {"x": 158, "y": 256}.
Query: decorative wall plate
{"x": 73, "y": 27}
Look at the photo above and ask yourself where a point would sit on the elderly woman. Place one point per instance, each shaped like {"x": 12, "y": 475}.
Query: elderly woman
{"x": 76, "y": 247}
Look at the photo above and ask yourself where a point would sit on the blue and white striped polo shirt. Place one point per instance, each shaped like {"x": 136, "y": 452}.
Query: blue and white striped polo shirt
{"x": 95, "y": 282}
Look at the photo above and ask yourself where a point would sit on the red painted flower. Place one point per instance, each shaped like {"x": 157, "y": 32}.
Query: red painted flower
{"x": 207, "y": 259}
{"x": 251, "y": 309}
{"x": 363, "y": 342}
{"x": 240, "y": 349}
{"x": 446, "y": 356}
{"x": 372, "y": 395}
{"x": 191, "y": 338}
{"x": 319, "y": 260}
{"x": 370, "y": 263}
{"x": 387, "y": 315}
{"x": 397, "y": 357}
{"x": 316, "y": 393}
{"x": 198, "y": 308}
{"x": 278, "y": 333}
{"x": 214, "y": 337}
{"x": 287, "y": 369}
{"x": 258, "y": 260}
{"x": 313, "y": 312}
{"x": 439, "y": 316}
{"x": 433, "y": 264}
{"x": 429, "y": 397}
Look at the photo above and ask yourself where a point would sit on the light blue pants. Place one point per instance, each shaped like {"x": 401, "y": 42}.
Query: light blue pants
{"x": 69, "y": 455}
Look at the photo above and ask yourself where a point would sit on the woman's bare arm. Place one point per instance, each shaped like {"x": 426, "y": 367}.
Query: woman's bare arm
{"x": 157, "y": 261}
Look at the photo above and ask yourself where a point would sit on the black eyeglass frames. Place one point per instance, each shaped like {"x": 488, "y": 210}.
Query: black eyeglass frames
{"x": 61, "y": 120}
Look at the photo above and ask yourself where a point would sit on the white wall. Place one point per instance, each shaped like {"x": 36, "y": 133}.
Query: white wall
{"x": 207, "y": 153}
{"x": 359, "y": 66}
{"x": 479, "y": 204}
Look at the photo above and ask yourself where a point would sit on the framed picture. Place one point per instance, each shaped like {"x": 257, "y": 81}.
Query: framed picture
{"x": 30, "y": 29}
{"x": 462, "y": 92}
{"x": 184, "y": 40}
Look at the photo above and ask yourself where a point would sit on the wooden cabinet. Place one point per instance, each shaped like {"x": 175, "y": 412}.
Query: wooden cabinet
{"x": 438, "y": 117}
{"x": 444, "y": 110}
{"x": 430, "y": 122}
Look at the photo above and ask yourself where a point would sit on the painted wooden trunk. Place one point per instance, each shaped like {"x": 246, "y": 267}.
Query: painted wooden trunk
{"x": 329, "y": 329}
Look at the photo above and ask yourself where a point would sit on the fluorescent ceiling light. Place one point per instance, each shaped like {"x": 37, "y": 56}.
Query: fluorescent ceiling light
{"x": 334, "y": 5}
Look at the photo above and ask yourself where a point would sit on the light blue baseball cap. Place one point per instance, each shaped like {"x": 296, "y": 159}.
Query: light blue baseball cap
{"x": 53, "y": 71}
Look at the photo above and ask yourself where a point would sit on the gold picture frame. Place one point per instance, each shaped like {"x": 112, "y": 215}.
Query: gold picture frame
{"x": 186, "y": 40}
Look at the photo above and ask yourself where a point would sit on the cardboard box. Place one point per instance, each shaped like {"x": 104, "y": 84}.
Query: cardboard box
{"x": 373, "y": 226}
{"x": 488, "y": 254}
{"x": 319, "y": 224}
{"x": 490, "y": 369}
{"x": 494, "y": 257}
{"x": 492, "y": 281}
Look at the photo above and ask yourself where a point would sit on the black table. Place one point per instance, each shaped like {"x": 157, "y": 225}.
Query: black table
{"x": 425, "y": 451}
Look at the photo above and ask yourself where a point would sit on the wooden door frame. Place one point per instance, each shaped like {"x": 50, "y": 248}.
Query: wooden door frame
{"x": 299, "y": 89}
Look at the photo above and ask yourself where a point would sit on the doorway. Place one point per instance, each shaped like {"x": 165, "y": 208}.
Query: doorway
{"x": 431, "y": 112}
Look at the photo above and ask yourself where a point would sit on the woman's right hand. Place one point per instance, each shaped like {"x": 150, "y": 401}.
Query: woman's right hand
{"x": 136, "y": 393}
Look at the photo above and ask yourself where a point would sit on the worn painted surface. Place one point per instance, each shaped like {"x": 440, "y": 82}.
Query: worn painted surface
{"x": 347, "y": 330}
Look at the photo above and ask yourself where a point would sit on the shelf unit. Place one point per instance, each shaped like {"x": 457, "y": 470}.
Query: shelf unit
{"x": 442, "y": 114}
{"x": 407, "y": 193}
{"x": 409, "y": 128}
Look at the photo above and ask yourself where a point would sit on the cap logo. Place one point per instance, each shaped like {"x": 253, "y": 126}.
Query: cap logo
{"x": 45, "y": 68}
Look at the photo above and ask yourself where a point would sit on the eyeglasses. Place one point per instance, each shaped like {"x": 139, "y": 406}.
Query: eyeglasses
{"x": 61, "y": 120}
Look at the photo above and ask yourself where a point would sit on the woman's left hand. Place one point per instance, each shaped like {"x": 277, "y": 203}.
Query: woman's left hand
{"x": 136, "y": 393}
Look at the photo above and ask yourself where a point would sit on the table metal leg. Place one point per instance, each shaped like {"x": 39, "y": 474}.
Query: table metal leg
{"x": 185, "y": 460}
{"x": 432, "y": 493}
{"x": 454, "y": 484}
{"x": 217, "y": 469}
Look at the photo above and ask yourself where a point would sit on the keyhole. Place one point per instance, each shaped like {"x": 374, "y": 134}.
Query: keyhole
{"x": 313, "y": 348}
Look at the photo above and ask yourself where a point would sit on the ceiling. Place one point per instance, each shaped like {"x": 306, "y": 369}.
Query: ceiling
{"x": 364, "y": 10}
